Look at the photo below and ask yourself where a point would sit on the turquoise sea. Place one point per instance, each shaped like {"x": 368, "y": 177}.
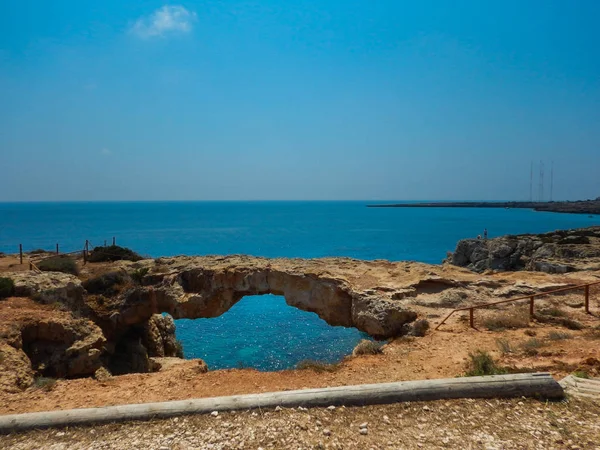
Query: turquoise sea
{"x": 263, "y": 332}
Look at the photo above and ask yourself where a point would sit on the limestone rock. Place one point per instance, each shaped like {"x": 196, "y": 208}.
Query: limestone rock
{"x": 550, "y": 252}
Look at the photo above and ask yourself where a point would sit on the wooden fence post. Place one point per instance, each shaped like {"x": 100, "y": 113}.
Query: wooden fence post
{"x": 105, "y": 242}
{"x": 21, "y": 253}
{"x": 587, "y": 299}
{"x": 114, "y": 241}
{"x": 471, "y": 318}
{"x": 531, "y": 302}
{"x": 57, "y": 248}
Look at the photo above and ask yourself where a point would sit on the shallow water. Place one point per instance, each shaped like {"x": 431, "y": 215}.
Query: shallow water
{"x": 263, "y": 332}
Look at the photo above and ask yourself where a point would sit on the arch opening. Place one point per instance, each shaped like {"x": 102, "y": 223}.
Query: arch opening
{"x": 265, "y": 333}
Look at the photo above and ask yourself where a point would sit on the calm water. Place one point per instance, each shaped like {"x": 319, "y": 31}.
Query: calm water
{"x": 263, "y": 332}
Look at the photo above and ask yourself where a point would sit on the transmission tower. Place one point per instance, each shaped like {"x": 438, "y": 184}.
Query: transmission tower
{"x": 551, "y": 180}
{"x": 541, "y": 186}
{"x": 531, "y": 183}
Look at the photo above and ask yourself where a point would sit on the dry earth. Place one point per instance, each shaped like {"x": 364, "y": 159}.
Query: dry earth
{"x": 464, "y": 424}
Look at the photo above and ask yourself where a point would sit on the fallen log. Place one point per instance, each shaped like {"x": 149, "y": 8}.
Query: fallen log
{"x": 539, "y": 385}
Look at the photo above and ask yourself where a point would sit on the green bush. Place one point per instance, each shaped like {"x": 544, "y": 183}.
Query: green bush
{"x": 7, "y": 287}
{"x": 61, "y": 263}
{"x": 139, "y": 274}
{"x": 113, "y": 253}
{"x": 104, "y": 284}
{"x": 481, "y": 363}
{"x": 39, "y": 251}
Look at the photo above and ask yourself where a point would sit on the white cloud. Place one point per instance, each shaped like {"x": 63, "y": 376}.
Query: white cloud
{"x": 166, "y": 20}
{"x": 106, "y": 152}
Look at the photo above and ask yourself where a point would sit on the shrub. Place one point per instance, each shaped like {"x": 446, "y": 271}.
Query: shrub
{"x": 7, "y": 287}
{"x": 104, "y": 284}
{"x": 581, "y": 374}
{"x": 59, "y": 263}
{"x": 139, "y": 274}
{"x": 420, "y": 328}
{"x": 530, "y": 347}
{"x": 39, "y": 251}
{"x": 317, "y": 366}
{"x": 504, "y": 321}
{"x": 481, "y": 363}
{"x": 366, "y": 347}
{"x": 564, "y": 321}
{"x": 558, "y": 336}
{"x": 504, "y": 346}
{"x": 553, "y": 312}
{"x": 113, "y": 253}
{"x": 45, "y": 383}
{"x": 179, "y": 349}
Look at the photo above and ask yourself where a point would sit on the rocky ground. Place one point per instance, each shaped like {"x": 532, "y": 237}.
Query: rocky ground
{"x": 465, "y": 424}
{"x": 105, "y": 322}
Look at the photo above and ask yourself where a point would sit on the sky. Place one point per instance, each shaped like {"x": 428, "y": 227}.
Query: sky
{"x": 298, "y": 99}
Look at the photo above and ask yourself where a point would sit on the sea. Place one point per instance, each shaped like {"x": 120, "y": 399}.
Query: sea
{"x": 263, "y": 332}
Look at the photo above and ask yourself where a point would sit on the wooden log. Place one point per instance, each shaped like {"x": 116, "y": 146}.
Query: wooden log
{"x": 539, "y": 385}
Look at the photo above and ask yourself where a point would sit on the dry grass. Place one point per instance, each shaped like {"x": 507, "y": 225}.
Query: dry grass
{"x": 504, "y": 346}
{"x": 317, "y": 366}
{"x": 366, "y": 347}
{"x": 558, "y": 336}
{"x": 507, "y": 320}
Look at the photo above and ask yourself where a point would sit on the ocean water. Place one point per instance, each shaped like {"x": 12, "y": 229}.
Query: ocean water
{"x": 263, "y": 332}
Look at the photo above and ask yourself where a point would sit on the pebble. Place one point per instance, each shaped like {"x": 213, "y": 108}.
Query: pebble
{"x": 278, "y": 408}
{"x": 214, "y": 413}
{"x": 364, "y": 431}
{"x": 364, "y": 425}
{"x": 331, "y": 408}
{"x": 327, "y": 432}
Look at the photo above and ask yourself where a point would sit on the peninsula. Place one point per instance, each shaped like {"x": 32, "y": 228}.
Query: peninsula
{"x": 573, "y": 207}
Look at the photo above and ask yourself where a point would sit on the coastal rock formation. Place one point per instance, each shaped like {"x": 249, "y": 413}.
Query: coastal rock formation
{"x": 556, "y": 252}
{"x": 37, "y": 340}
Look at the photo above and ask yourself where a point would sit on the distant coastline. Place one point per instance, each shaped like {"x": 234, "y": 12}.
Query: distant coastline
{"x": 574, "y": 207}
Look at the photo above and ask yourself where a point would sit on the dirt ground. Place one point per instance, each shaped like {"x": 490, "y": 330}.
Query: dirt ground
{"x": 464, "y": 424}
{"x": 440, "y": 354}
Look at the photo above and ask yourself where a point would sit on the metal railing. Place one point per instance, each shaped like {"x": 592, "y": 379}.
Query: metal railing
{"x": 531, "y": 298}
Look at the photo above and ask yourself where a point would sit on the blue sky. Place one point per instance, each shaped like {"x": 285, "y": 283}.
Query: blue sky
{"x": 323, "y": 99}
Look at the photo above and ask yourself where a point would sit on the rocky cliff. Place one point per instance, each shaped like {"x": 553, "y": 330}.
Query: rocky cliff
{"x": 556, "y": 252}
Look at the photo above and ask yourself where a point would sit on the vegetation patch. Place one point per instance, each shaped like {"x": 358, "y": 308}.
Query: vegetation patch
{"x": 317, "y": 366}
{"x": 44, "y": 383}
{"x": 60, "y": 263}
{"x": 564, "y": 321}
{"x": 39, "y": 251}
{"x": 7, "y": 287}
{"x": 366, "y": 347}
{"x": 178, "y": 349}
{"x": 504, "y": 346}
{"x": 481, "y": 363}
{"x": 420, "y": 328}
{"x": 553, "y": 312}
{"x": 113, "y": 253}
{"x": 506, "y": 321}
{"x": 531, "y": 346}
{"x": 105, "y": 284}
{"x": 581, "y": 374}
{"x": 558, "y": 336}
{"x": 139, "y": 274}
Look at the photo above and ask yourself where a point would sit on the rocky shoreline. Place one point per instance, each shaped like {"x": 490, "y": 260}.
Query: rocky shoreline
{"x": 109, "y": 320}
{"x": 575, "y": 207}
